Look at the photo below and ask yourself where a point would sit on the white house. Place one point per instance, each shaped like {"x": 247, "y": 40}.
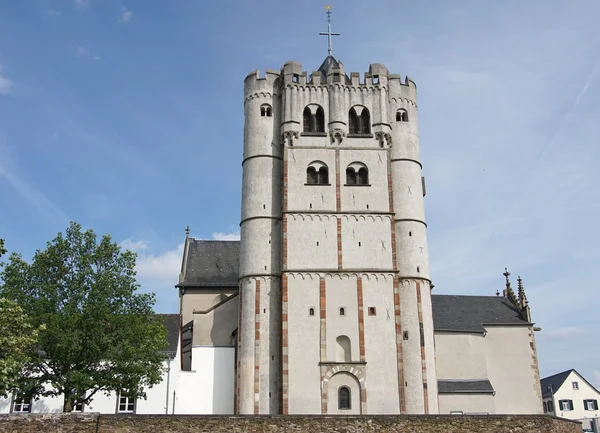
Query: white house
{"x": 569, "y": 395}
{"x": 161, "y": 398}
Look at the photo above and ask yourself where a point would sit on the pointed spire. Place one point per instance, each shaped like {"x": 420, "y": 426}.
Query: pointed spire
{"x": 506, "y": 275}
{"x": 522, "y": 297}
{"x": 508, "y": 291}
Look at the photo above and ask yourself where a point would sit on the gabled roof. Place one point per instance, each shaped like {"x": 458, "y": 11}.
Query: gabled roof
{"x": 471, "y": 313}
{"x": 211, "y": 264}
{"x": 477, "y": 386}
{"x": 551, "y": 384}
{"x": 173, "y": 325}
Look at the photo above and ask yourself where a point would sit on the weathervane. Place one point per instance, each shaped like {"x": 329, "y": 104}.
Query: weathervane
{"x": 328, "y": 34}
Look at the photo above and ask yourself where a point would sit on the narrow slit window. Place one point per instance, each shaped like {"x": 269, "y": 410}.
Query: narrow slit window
{"x": 344, "y": 398}
{"x": 342, "y": 311}
{"x": 311, "y": 311}
{"x": 375, "y": 79}
{"x": 372, "y": 311}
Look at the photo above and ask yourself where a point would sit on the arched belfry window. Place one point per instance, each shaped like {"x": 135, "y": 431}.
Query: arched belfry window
{"x": 266, "y": 110}
{"x": 344, "y": 398}
{"x": 317, "y": 173}
{"x": 359, "y": 120}
{"x": 313, "y": 119}
{"x": 357, "y": 174}
{"x": 401, "y": 115}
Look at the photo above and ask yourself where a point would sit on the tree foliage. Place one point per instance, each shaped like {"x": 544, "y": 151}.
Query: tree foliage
{"x": 17, "y": 340}
{"x": 100, "y": 335}
{"x": 2, "y": 249}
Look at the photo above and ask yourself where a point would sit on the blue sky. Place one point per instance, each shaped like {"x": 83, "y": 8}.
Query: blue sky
{"x": 127, "y": 116}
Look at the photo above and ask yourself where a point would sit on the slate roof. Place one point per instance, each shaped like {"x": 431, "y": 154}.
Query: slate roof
{"x": 330, "y": 61}
{"x": 173, "y": 324}
{"x": 212, "y": 264}
{"x": 471, "y": 313}
{"x": 479, "y": 386}
{"x": 556, "y": 381}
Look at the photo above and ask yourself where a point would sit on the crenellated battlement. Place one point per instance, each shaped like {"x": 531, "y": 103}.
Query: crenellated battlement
{"x": 255, "y": 84}
{"x": 330, "y": 74}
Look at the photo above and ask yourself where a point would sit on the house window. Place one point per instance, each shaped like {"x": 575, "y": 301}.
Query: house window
{"x": 550, "y": 406}
{"x": 590, "y": 404}
{"x": 545, "y": 407}
{"x": 265, "y": 110}
{"x": 126, "y": 403}
{"x": 317, "y": 174}
{"x": 401, "y": 116}
{"x": 77, "y": 406}
{"x": 313, "y": 122}
{"x": 21, "y": 404}
{"x": 344, "y": 398}
{"x": 357, "y": 174}
{"x": 575, "y": 385}
{"x": 359, "y": 124}
{"x": 566, "y": 404}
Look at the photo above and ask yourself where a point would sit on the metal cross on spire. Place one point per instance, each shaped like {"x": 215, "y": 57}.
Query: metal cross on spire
{"x": 328, "y": 34}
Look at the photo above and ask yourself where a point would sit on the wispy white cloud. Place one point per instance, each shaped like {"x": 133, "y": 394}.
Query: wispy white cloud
{"x": 84, "y": 53}
{"x": 81, "y": 4}
{"x": 28, "y": 192}
{"x": 126, "y": 16}
{"x": 588, "y": 82}
{"x": 155, "y": 269}
{"x": 220, "y": 236}
{"x": 5, "y": 84}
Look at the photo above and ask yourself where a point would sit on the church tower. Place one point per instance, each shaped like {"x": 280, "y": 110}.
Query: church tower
{"x": 335, "y": 303}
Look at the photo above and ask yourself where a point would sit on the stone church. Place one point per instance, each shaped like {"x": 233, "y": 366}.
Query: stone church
{"x": 325, "y": 305}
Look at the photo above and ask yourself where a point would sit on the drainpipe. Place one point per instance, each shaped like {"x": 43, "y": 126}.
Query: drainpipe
{"x": 168, "y": 382}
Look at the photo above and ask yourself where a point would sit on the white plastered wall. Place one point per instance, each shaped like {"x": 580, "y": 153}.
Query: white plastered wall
{"x": 209, "y": 387}
{"x": 304, "y": 392}
{"x": 341, "y": 293}
{"x": 312, "y": 242}
{"x": 467, "y": 403}
{"x": 380, "y": 345}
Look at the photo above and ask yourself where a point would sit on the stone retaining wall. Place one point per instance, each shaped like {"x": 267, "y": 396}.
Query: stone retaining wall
{"x": 95, "y": 423}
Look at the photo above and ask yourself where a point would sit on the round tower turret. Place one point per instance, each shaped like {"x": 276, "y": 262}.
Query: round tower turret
{"x": 260, "y": 255}
{"x": 411, "y": 250}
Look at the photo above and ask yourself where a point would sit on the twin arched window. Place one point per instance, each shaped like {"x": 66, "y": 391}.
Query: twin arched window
{"x": 401, "y": 115}
{"x": 266, "y": 110}
{"x": 357, "y": 174}
{"x": 317, "y": 174}
{"x": 359, "y": 120}
{"x": 314, "y": 118}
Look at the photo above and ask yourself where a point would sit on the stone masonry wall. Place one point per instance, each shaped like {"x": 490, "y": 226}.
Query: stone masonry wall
{"x": 95, "y": 423}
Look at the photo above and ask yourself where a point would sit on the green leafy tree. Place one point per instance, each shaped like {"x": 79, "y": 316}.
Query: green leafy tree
{"x": 17, "y": 340}
{"x": 2, "y": 249}
{"x": 100, "y": 334}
